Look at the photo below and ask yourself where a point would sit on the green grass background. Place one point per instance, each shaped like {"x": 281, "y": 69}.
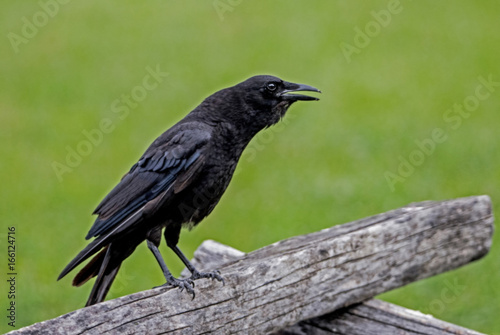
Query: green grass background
{"x": 324, "y": 166}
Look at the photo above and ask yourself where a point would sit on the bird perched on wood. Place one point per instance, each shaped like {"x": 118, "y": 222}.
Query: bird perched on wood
{"x": 179, "y": 180}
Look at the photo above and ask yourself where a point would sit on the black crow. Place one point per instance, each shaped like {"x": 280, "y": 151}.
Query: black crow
{"x": 180, "y": 179}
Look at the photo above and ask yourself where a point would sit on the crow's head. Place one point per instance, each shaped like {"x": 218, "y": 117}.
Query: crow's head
{"x": 252, "y": 105}
{"x": 269, "y": 97}
{"x": 255, "y": 104}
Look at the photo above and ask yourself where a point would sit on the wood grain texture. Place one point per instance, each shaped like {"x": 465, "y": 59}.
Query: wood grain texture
{"x": 302, "y": 277}
{"x": 371, "y": 317}
{"x": 375, "y": 317}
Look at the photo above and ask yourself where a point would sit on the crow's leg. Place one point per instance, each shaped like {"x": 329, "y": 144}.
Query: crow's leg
{"x": 187, "y": 284}
{"x": 195, "y": 274}
{"x": 172, "y": 237}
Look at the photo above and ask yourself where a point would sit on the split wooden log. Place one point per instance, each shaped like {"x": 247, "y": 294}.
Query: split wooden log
{"x": 302, "y": 277}
{"x": 371, "y": 317}
{"x": 375, "y": 317}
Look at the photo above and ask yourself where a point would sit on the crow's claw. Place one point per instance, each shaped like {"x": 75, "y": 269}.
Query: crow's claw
{"x": 188, "y": 283}
{"x": 210, "y": 275}
{"x": 182, "y": 284}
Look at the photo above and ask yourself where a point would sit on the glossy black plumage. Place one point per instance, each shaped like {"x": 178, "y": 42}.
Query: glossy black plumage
{"x": 180, "y": 179}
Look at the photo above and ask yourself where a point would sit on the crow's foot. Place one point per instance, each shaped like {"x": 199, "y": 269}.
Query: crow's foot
{"x": 187, "y": 284}
{"x": 211, "y": 275}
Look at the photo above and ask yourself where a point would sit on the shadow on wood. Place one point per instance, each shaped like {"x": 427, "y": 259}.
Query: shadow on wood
{"x": 302, "y": 277}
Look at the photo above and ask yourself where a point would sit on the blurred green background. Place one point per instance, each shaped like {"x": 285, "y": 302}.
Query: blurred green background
{"x": 61, "y": 73}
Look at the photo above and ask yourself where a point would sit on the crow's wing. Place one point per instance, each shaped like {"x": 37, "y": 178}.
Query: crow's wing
{"x": 166, "y": 168}
{"x": 156, "y": 171}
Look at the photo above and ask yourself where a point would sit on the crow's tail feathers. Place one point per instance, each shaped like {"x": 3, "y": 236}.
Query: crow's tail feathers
{"x": 105, "y": 267}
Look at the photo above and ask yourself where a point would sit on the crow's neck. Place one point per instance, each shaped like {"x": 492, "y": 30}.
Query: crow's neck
{"x": 235, "y": 117}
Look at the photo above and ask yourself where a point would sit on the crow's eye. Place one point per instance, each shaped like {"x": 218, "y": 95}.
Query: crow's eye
{"x": 271, "y": 87}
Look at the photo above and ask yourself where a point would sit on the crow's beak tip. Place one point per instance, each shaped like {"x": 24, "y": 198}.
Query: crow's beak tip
{"x": 292, "y": 88}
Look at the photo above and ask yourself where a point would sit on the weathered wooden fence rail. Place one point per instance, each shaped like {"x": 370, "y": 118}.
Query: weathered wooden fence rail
{"x": 304, "y": 277}
{"x": 371, "y": 317}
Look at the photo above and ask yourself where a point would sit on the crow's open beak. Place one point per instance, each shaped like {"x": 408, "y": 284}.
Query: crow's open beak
{"x": 291, "y": 87}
